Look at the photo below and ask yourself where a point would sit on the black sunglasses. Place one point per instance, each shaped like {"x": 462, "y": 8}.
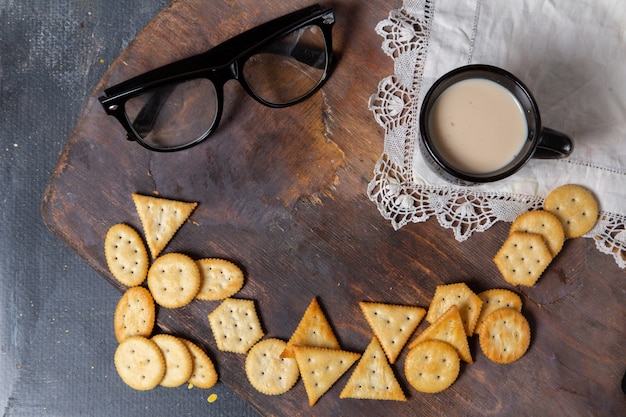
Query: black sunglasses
{"x": 279, "y": 63}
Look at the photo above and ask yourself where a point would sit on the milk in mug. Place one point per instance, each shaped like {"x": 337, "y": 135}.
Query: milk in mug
{"x": 477, "y": 126}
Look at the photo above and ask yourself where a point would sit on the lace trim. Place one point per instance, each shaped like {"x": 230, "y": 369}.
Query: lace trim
{"x": 395, "y": 106}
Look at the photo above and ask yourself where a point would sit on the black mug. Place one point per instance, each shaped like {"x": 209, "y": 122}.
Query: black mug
{"x": 480, "y": 123}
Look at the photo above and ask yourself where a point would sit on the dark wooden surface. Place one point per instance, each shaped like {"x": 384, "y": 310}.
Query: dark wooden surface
{"x": 282, "y": 193}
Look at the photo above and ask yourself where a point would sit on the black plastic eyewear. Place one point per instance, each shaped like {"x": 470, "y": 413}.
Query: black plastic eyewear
{"x": 279, "y": 63}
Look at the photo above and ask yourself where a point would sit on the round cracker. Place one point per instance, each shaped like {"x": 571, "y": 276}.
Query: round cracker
{"x": 140, "y": 363}
{"x": 178, "y": 360}
{"x": 204, "y": 374}
{"x": 267, "y": 372}
{"x": 544, "y": 223}
{"x": 504, "y": 335}
{"x": 575, "y": 207}
{"x": 134, "y": 314}
{"x": 497, "y": 298}
{"x": 220, "y": 279}
{"x": 126, "y": 255}
{"x": 174, "y": 280}
{"x": 432, "y": 366}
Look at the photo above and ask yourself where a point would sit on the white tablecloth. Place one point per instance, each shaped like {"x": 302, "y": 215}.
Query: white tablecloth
{"x": 571, "y": 54}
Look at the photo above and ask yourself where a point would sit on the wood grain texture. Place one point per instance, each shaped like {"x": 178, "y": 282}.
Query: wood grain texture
{"x": 282, "y": 194}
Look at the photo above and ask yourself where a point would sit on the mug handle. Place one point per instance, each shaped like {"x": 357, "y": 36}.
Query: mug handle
{"x": 553, "y": 145}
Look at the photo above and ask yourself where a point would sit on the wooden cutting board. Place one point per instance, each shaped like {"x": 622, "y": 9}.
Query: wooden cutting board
{"x": 283, "y": 194}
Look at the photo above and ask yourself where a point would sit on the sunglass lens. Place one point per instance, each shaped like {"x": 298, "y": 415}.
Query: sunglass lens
{"x": 174, "y": 115}
{"x": 288, "y": 68}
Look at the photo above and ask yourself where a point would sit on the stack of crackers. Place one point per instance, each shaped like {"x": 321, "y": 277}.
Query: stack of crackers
{"x": 537, "y": 236}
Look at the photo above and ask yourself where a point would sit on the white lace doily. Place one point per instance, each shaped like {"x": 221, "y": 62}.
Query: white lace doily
{"x": 571, "y": 56}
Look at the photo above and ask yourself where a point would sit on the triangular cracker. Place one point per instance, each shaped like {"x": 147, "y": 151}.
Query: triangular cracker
{"x": 373, "y": 377}
{"x": 392, "y": 324}
{"x": 463, "y": 297}
{"x": 320, "y": 368}
{"x": 313, "y": 330}
{"x": 447, "y": 328}
{"x": 161, "y": 218}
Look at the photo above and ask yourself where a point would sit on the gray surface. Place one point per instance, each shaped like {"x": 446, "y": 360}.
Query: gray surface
{"x": 56, "y": 341}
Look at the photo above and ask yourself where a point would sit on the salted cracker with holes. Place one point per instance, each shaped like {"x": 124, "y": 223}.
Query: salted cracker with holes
{"x": 504, "y": 335}
{"x": 219, "y": 279}
{"x": 542, "y": 223}
{"x": 496, "y": 298}
{"x": 321, "y": 368}
{"x": 204, "y": 375}
{"x": 392, "y": 324}
{"x": 140, "y": 363}
{"x": 447, "y": 328}
{"x": 134, "y": 314}
{"x": 178, "y": 360}
{"x": 463, "y": 297}
{"x": 267, "y": 372}
{"x": 432, "y": 366}
{"x": 235, "y": 325}
{"x": 522, "y": 258}
{"x": 576, "y": 208}
{"x": 373, "y": 377}
{"x": 126, "y": 255}
{"x": 161, "y": 218}
{"x": 174, "y": 280}
{"x": 312, "y": 330}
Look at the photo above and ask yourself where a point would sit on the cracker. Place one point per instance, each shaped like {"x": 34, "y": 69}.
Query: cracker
{"x": 204, "y": 374}
{"x": 447, "y": 328}
{"x": 576, "y": 208}
{"x": 522, "y": 258}
{"x": 126, "y": 255}
{"x": 313, "y": 330}
{"x": 267, "y": 372}
{"x": 134, "y": 314}
{"x": 140, "y": 363}
{"x": 161, "y": 218}
{"x": 373, "y": 377}
{"x": 542, "y": 223}
{"x": 220, "y": 279}
{"x": 432, "y": 366}
{"x": 174, "y": 280}
{"x": 178, "y": 360}
{"x": 496, "y": 298}
{"x": 320, "y": 368}
{"x": 458, "y": 294}
{"x": 504, "y": 335}
{"x": 235, "y": 325}
{"x": 392, "y": 324}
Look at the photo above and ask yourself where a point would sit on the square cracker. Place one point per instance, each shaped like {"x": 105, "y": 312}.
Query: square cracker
{"x": 373, "y": 377}
{"x": 313, "y": 330}
{"x": 392, "y": 324}
{"x": 522, "y": 258}
{"x": 235, "y": 325}
{"x": 161, "y": 218}
{"x": 463, "y": 297}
